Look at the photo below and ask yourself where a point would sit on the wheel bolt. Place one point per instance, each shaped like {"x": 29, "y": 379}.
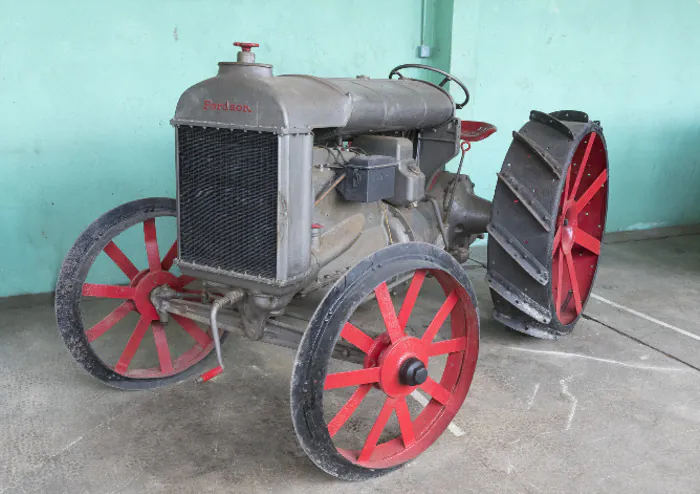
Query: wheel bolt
{"x": 413, "y": 372}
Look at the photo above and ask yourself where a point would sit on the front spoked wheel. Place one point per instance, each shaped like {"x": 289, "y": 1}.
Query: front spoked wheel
{"x": 357, "y": 421}
{"x": 103, "y": 300}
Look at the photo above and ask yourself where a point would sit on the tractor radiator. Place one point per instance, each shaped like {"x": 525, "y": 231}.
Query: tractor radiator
{"x": 227, "y": 199}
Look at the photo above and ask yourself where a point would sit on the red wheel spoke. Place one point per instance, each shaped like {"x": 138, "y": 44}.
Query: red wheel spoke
{"x": 404, "y": 416}
{"x": 588, "y": 241}
{"x": 436, "y": 390}
{"x": 584, "y": 162}
{"x": 357, "y": 337}
{"x": 120, "y": 259}
{"x": 591, "y": 191}
{"x": 194, "y": 331}
{"x": 440, "y": 317}
{"x": 574, "y": 282}
{"x": 188, "y": 358}
{"x": 132, "y": 345}
{"x": 386, "y": 307}
{"x": 348, "y": 409}
{"x": 447, "y": 346}
{"x": 411, "y": 295}
{"x": 186, "y": 280}
{"x": 352, "y": 378}
{"x": 166, "y": 362}
{"x": 169, "y": 257}
{"x": 560, "y": 280}
{"x": 107, "y": 291}
{"x": 108, "y": 322}
{"x": 149, "y": 235}
{"x": 557, "y": 241}
{"x": 377, "y": 428}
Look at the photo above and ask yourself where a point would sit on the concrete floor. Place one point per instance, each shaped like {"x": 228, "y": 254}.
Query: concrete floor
{"x": 613, "y": 408}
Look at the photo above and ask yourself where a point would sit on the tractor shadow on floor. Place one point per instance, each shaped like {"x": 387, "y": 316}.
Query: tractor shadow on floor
{"x": 215, "y": 433}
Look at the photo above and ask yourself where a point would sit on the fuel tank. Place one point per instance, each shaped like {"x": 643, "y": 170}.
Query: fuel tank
{"x": 249, "y": 96}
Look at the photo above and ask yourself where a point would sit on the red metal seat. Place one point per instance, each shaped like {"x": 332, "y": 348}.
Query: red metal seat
{"x": 476, "y": 131}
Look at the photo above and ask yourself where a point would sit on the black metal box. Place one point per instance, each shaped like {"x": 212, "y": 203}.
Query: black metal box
{"x": 369, "y": 178}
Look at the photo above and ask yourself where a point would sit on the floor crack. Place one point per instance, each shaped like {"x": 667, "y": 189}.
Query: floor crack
{"x": 478, "y": 262}
{"x": 633, "y": 338}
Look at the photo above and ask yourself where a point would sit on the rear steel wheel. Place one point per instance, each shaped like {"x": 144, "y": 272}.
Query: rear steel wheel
{"x": 547, "y": 223}
{"x": 114, "y": 347}
{"x": 341, "y": 411}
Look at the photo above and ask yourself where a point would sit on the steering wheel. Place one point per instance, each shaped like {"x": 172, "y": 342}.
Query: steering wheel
{"x": 448, "y": 77}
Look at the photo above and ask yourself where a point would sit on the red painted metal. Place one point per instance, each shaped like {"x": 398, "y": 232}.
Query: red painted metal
{"x": 411, "y": 296}
{"x": 576, "y": 289}
{"x": 440, "y": 317}
{"x": 166, "y": 361}
{"x": 582, "y": 168}
{"x": 146, "y": 284}
{"x": 132, "y": 345}
{"x": 137, "y": 298}
{"x": 381, "y": 371}
{"x": 169, "y": 257}
{"x": 348, "y": 409}
{"x": 202, "y": 338}
{"x": 352, "y": 378}
{"x": 357, "y": 337}
{"x": 377, "y": 428}
{"x": 121, "y": 260}
{"x": 386, "y": 307}
{"x": 447, "y": 346}
{"x": 588, "y": 241}
{"x": 381, "y": 343}
{"x": 210, "y": 374}
{"x": 110, "y": 320}
{"x": 108, "y": 291}
{"x": 579, "y": 228}
{"x": 151, "y": 240}
{"x": 586, "y": 197}
{"x": 391, "y": 360}
{"x": 475, "y": 131}
{"x": 408, "y": 435}
{"x": 436, "y": 390}
{"x": 560, "y": 276}
{"x": 246, "y": 46}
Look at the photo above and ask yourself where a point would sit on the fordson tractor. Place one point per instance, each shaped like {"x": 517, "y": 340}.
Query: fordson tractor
{"x": 318, "y": 214}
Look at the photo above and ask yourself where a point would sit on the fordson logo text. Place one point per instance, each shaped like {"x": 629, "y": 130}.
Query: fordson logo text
{"x": 210, "y": 105}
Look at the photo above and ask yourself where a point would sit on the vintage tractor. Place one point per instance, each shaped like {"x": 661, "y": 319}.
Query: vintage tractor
{"x": 313, "y": 213}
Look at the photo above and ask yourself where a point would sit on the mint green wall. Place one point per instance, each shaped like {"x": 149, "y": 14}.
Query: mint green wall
{"x": 632, "y": 64}
{"x": 87, "y": 89}
{"x": 443, "y": 12}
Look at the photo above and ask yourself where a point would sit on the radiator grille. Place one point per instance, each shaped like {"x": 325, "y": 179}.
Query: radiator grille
{"x": 228, "y": 199}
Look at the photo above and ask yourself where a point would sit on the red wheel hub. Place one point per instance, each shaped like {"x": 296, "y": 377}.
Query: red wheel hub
{"x": 569, "y": 226}
{"x": 391, "y": 360}
{"x": 145, "y": 283}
